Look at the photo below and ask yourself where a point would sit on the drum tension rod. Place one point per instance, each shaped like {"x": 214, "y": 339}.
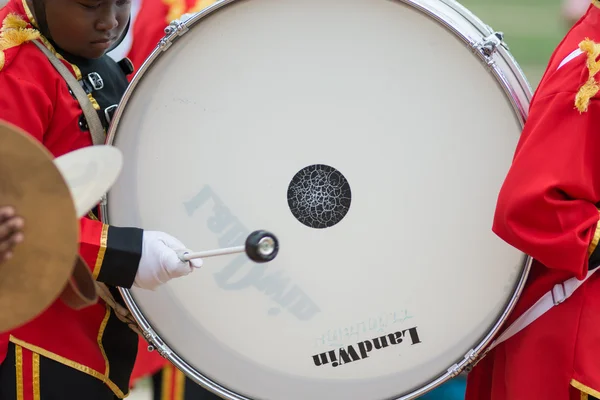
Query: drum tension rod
{"x": 261, "y": 246}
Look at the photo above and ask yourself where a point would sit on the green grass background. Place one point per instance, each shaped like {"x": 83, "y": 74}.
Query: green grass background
{"x": 532, "y": 29}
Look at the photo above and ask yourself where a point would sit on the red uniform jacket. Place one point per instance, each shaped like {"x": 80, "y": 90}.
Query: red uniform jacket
{"x": 36, "y": 98}
{"x": 154, "y": 16}
{"x": 548, "y": 208}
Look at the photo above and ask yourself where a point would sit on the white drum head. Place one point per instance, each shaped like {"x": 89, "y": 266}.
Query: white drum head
{"x": 373, "y": 143}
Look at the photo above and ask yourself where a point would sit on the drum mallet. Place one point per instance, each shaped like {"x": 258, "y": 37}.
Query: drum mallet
{"x": 261, "y": 247}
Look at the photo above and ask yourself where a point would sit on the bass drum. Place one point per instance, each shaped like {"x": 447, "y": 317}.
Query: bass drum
{"x": 372, "y": 138}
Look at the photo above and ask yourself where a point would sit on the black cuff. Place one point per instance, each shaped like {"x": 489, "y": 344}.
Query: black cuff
{"x": 122, "y": 256}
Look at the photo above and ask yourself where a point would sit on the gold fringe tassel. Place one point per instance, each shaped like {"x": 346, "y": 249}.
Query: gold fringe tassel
{"x": 178, "y": 7}
{"x": 14, "y": 32}
{"x": 590, "y": 87}
{"x": 201, "y": 5}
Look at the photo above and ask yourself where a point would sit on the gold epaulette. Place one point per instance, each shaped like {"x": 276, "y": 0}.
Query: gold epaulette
{"x": 177, "y": 8}
{"x": 14, "y": 32}
{"x": 590, "y": 87}
{"x": 201, "y": 5}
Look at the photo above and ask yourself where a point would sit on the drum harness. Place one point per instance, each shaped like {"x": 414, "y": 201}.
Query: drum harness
{"x": 557, "y": 295}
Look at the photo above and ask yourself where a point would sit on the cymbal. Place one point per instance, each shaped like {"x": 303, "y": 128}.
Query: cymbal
{"x": 41, "y": 265}
{"x": 90, "y": 172}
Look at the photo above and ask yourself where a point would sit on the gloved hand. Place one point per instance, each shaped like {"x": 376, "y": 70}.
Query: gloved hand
{"x": 159, "y": 262}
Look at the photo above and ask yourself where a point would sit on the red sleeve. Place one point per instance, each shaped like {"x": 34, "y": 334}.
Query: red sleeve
{"x": 547, "y": 206}
{"x": 112, "y": 253}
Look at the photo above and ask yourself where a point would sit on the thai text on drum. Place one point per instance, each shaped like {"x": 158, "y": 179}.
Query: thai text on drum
{"x": 337, "y": 337}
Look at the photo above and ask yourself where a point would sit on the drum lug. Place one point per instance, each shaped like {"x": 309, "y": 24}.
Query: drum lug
{"x": 454, "y": 371}
{"x": 155, "y": 343}
{"x": 176, "y": 28}
{"x": 470, "y": 358}
{"x": 489, "y": 45}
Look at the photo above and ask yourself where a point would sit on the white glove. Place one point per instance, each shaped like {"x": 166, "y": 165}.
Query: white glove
{"x": 160, "y": 262}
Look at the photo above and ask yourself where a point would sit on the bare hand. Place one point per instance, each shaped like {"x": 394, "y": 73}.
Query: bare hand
{"x": 11, "y": 232}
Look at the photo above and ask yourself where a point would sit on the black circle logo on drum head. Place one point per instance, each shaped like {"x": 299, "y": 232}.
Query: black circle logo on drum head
{"x": 319, "y": 196}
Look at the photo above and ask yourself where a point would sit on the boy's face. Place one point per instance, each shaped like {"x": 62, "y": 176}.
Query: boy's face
{"x": 87, "y": 28}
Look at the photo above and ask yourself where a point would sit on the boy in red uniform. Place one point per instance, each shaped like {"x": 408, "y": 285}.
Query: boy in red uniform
{"x": 67, "y": 354}
{"x": 548, "y": 208}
